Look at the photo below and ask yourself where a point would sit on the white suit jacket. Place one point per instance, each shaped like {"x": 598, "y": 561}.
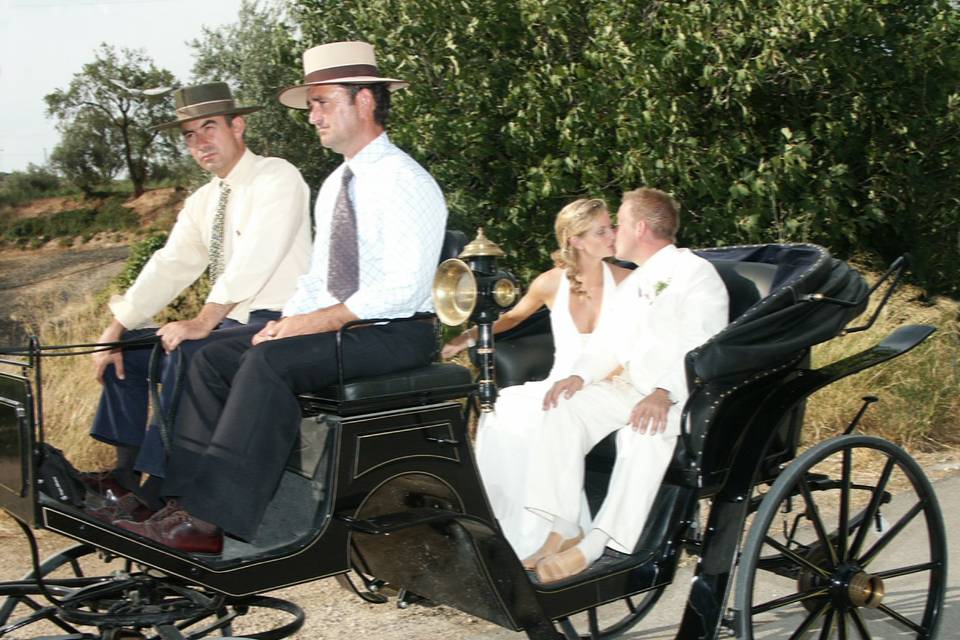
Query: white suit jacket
{"x": 671, "y": 304}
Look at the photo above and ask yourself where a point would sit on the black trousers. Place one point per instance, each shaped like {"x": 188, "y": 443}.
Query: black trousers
{"x": 239, "y": 417}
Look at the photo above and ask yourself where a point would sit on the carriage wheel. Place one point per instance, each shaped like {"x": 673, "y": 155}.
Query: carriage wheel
{"x": 93, "y": 603}
{"x": 819, "y": 561}
{"x": 612, "y": 619}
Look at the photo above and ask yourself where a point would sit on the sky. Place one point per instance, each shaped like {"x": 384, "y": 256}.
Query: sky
{"x": 43, "y": 43}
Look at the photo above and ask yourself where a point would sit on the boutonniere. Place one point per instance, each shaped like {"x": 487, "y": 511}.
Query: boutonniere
{"x": 651, "y": 295}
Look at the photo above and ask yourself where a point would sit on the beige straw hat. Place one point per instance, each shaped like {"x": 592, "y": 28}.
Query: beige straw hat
{"x": 336, "y": 63}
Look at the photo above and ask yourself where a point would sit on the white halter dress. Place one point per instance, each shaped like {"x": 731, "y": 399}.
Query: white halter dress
{"x": 503, "y": 436}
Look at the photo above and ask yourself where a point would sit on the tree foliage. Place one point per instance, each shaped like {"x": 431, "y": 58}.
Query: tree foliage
{"x": 96, "y": 104}
{"x": 87, "y": 152}
{"x": 834, "y": 122}
{"x": 257, "y": 56}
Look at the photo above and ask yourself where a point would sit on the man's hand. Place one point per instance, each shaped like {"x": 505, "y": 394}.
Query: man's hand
{"x": 651, "y": 412}
{"x": 562, "y": 388}
{"x": 319, "y": 321}
{"x": 103, "y": 359}
{"x": 198, "y": 328}
{"x": 173, "y": 333}
{"x": 298, "y": 325}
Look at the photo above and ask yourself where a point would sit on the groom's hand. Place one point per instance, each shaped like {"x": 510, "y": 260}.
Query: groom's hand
{"x": 565, "y": 388}
{"x": 651, "y": 412}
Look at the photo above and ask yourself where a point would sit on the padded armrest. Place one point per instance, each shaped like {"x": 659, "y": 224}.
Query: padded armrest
{"x": 523, "y": 359}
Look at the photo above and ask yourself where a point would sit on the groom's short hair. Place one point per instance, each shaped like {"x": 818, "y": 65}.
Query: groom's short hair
{"x": 658, "y": 209}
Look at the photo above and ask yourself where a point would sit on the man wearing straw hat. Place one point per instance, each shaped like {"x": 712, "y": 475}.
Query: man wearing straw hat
{"x": 249, "y": 229}
{"x": 380, "y": 219}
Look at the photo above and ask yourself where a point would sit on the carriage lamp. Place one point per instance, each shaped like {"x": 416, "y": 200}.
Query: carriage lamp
{"x": 470, "y": 288}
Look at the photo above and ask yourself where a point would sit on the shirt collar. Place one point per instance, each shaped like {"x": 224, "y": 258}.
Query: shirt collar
{"x": 375, "y": 149}
{"x": 242, "y": 172}
{"x": 659, "y": 265}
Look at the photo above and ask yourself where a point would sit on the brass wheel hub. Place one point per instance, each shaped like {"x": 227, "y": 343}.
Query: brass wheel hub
{"x": 865, "y": 590}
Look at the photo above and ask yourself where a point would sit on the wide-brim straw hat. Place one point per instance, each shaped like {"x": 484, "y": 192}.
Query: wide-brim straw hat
{"x": 204, "y": 101}
{"x": 336, "y": 63}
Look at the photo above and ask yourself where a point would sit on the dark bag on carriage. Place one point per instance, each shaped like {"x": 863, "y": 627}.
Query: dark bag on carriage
{"x": 59, "y": 479}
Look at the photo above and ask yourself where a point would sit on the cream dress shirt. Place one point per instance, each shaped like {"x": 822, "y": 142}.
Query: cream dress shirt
{"x": 266, "y": 244}
{"x": 401, "y": 218}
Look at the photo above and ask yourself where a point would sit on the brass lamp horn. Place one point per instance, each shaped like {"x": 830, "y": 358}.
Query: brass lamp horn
{"x": 471, "y": 288}
{"x": 454, "y": 292}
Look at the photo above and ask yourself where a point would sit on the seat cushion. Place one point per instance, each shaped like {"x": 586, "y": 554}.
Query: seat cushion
{"x": 432, "y": 383}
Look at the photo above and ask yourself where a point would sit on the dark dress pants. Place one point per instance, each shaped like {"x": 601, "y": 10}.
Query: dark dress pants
{"x": 239, "y": 418}
{"x": 122, "y": 414}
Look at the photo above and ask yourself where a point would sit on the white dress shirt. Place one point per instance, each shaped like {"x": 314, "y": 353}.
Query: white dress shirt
{"x": 401, "y": 218}
{"x": 266, "y": 244}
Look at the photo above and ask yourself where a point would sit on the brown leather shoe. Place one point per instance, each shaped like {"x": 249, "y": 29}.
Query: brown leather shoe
{"x": 127, "y": 507}
{"x": 179, "y": 530}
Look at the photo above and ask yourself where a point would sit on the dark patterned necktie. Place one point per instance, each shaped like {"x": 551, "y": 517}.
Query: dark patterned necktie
{"x": 343, "y": 268}
{"x": 215, "y": 268}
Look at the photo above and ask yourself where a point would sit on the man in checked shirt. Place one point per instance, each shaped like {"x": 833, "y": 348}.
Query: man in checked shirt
{"x": 380, "y": 220}
{"x": 249, "y": 229}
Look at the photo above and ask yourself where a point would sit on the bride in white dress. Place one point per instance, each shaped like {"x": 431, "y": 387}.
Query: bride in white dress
{"x": 578, "y": 293}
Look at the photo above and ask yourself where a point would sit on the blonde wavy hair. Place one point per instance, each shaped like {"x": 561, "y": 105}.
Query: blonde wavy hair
{"x": 574, "y": 220}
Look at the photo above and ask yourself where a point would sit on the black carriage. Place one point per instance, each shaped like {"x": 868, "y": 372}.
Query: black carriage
{"x": 383, "y": 489}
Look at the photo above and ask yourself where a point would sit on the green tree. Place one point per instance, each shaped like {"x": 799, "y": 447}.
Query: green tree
{"x": 99, "y": 94}
{"x": 834, "y": 122}
{"x": 86, "y": 154}
{"x": 257, "y": 56}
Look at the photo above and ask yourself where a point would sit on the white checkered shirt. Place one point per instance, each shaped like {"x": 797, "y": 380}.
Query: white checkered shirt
{"x": 401, "y": 218}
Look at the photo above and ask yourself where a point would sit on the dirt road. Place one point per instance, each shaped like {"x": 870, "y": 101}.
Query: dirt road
{"x": 41, "y": 285}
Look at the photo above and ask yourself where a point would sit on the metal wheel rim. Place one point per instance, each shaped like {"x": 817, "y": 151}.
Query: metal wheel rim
{"x": 838, "y": 610}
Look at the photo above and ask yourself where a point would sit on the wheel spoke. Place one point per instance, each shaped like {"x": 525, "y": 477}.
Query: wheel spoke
{"x": 841, "y": 625}
{"x": 905, "y": 571}
{"x": 907, "y": 622}
{"x": 888, "y": 537}
{"x": 809, "y": 620}
{"x": 592, "y": 622}
{"x": 814, "y": 514}
{"x": 872, "y": 508}
{"x": 827, "y": 628}
{"x": 860, "y": 625}
{"x": 783, "y": 601}
{"x": 796, "y": 558}
{"x": 844, "y": 523}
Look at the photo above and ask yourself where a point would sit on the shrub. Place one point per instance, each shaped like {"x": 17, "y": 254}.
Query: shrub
{"x": 35, "y": 182}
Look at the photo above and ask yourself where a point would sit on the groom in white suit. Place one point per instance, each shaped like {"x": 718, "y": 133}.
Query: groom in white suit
{"x": 673, "y": 302}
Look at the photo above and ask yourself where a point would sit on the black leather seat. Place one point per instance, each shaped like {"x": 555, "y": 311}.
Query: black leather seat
{"x": 435, "y": 382}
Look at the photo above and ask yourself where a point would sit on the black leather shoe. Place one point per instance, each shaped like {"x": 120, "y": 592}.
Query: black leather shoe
{"x": 178, "y": 530}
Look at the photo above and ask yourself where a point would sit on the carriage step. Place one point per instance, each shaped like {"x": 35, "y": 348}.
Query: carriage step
{"x": 391, "y": 522}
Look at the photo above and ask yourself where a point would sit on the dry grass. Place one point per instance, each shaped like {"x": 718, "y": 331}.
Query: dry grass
{"x": 919, "y": 405}
{"x": 71, "y": 392}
